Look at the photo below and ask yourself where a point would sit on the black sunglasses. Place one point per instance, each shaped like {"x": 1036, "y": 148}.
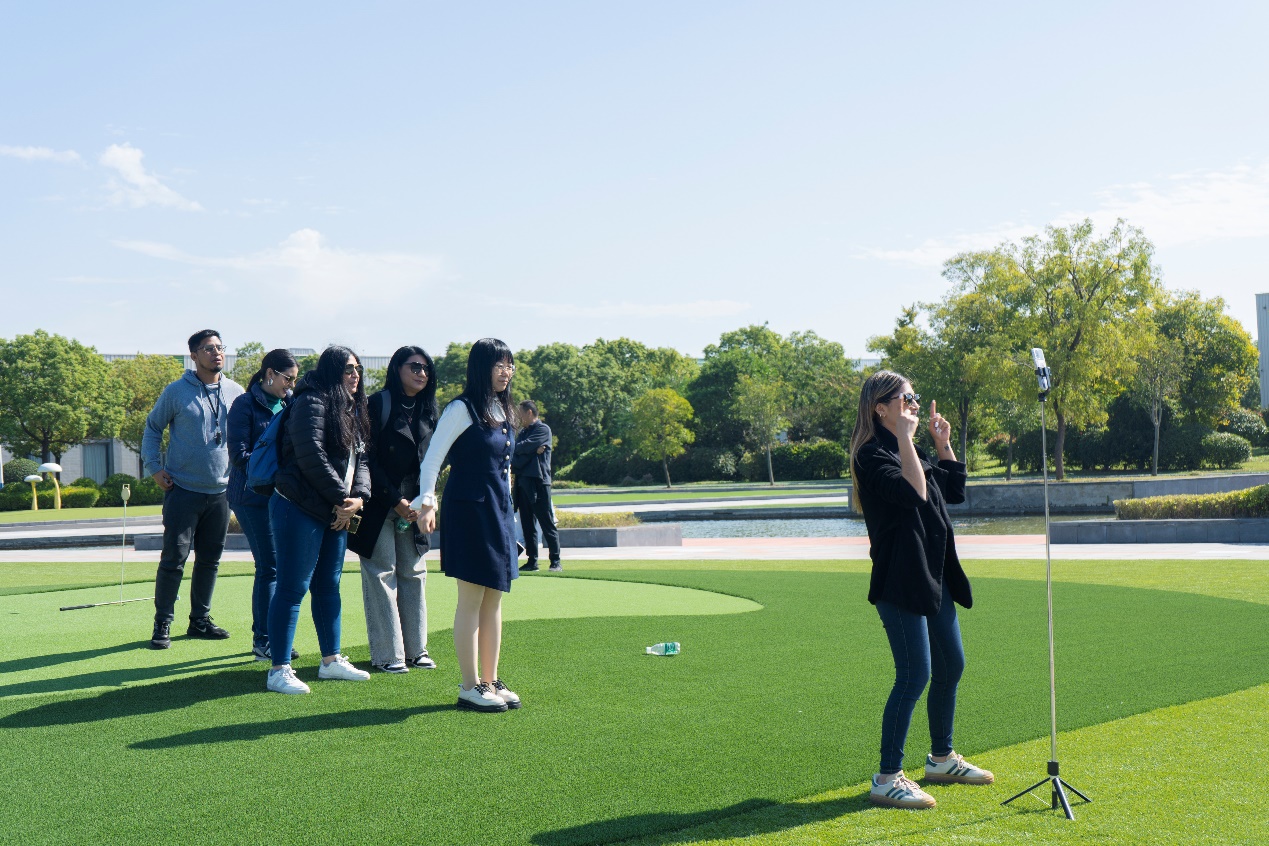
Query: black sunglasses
{"x": 416, "y": 367}
{"x": 908, "y": 398}
{"x": 350, "y": 369}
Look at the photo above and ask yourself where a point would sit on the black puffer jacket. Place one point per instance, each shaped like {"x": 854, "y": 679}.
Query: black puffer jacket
{"x": 311, "y": 468}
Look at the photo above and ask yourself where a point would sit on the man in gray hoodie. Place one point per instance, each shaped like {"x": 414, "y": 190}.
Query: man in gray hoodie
{"x": 194, "y": 474}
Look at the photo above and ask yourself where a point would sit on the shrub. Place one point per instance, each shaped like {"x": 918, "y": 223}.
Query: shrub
{"x": 17, "y": 469}
{"x": 85, "y": 482}
{"x": 1226, "y": 450}
{"x": 1242, "y": 422}
{"x": 111, "y": 487}
{"x": 18, "y": 497}
{"x": 609, "y": 464}
{"x": 78, "y": 497}
{"x": 146, "y": 492}
{"x": 704, "y": 464}
{"x": 589, "y": 520}
{"x": 1181, "y": 447}
{"x": 1252, "y": 502}
{"x": 796, "y": 461}
{"x": 565, "y": 485}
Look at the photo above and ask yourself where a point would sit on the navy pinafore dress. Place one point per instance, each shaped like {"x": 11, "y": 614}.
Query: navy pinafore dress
{"x": 478, "y": 542}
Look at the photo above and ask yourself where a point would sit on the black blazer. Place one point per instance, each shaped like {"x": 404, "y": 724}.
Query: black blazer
{"x": 310, "y": 468}
{"x": 393, "y": 455}
{"x": 912, "y": 545}
{"x": 525, "y": 462}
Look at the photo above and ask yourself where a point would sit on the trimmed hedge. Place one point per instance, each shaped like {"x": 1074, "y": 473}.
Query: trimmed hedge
{"x": 144, "y": 491}
{"x": 796, "y": 462}
{"x": 589, "y": 520}
{"x": 1252, "y": 502}
{"x": 1245, "y": 423}
{"x": 1226, "y": 450}
{"x": 18, "y": 498}
{"x": 17, "y": 469}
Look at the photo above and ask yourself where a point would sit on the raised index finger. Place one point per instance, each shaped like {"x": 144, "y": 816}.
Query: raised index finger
{"x": 933, "y": 410}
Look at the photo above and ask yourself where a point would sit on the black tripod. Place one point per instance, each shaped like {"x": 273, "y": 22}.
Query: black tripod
{"x": 1053, "y": 778}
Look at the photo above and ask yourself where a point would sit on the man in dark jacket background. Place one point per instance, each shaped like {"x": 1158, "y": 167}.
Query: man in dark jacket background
{"x": 532, "y": 466}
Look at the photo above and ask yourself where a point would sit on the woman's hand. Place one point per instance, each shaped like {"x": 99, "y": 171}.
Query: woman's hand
{"x": 350, "y": 506}
{"x": 908, "y": 421}
{"x": 427, "y": 519}
{"x": 405, "y": 512}
{"x": 941, "y": 432}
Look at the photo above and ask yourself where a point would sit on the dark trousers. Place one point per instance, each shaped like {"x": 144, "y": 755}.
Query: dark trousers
{"x": 534, "y": 499}
{"x": 254, "y": 519}
{"x": 194, "y": 520}
{"x": 925, "y": 649}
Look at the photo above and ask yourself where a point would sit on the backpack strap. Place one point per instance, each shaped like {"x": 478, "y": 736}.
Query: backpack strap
{"x": 385, "y": 408}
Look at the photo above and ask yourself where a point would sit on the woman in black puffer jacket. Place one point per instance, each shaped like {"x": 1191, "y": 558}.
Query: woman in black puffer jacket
{"x": 322, "y": 482}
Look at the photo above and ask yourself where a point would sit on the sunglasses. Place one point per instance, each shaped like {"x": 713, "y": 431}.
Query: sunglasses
{"x": 908, "y": 398}
{"x": 289, "y": 380}
{"x": 418, "y": 368}
{"x": 350, "y": 369}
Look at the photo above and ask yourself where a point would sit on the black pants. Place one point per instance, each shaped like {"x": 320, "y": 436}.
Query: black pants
{"x": 190, "y": 520}
{"x": 535, "y": 503}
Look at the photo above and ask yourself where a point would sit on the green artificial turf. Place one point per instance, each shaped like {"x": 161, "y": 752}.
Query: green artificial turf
{"x": 663, "y": 495}
{"x": 105, "y": 740}
{"x": 54, "y": 515}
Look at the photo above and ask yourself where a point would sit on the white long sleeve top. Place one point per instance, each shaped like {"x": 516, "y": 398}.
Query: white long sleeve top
{"x": 454, "y": 421}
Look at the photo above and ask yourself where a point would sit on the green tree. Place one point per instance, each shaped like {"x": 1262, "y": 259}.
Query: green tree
{"x": 627, "y": 369}
{"x": 660, "y": 429}
{"x": 823, "y": 387}
{"x": 247, "y": 360}
{"x": 1218, "y": 356}
{"x": 752, "y": 350}
{"x": 762, "y": 404}
{"x": 55, "y": 393}
{"x": 1082, "y": 300}
{"x": 143, "y": 378}
{"x": 572, "y": 387}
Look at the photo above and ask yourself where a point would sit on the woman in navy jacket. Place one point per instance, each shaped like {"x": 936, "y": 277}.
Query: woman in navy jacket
{"x": 249, "y": 416}
{"x": 917, "y": 578}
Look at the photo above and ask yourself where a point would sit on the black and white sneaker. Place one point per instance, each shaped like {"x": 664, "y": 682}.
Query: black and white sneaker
{"x": 529, "y": 567}
{"x": 162, "y": 637}
{"x": 556, "y": 566}
{"x": 207, "y": 630}
{"x": 265, "y": 653}
{"x": 422, "y": 661}
{"x": 394, "y": 667}
{"x": 480, "y": 698}
{"x": 501, "y": 690}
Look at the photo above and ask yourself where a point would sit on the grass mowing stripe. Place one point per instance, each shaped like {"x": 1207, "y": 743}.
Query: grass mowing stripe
{"x": 760, "y": 709}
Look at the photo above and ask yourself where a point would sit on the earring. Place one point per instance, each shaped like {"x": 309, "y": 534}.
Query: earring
{"x": 270, "y": 383}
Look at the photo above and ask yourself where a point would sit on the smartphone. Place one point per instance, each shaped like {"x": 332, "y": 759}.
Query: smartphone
{"x": 354, "y": 523}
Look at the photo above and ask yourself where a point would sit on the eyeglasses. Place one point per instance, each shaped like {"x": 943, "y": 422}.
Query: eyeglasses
{"x": 212, "y": 348}
{"x": 350, "y": 369}
{"x": 290, "y": 380}
{"x": 509, "y": 369}
{"x": 908, "y": 398}
{"x": 418, "y": 368}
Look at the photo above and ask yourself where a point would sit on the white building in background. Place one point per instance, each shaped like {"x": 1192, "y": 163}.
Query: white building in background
{"x": 99, "y": 459}
{"x": 1262, "y": 341}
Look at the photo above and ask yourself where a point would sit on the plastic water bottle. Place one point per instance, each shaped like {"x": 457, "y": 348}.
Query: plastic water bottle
{"x": 663, "y": 649}
{"x": 403, "y": 525}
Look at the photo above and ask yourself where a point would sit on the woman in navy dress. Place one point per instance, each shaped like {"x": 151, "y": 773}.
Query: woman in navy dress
{"x": 478, "y": 546}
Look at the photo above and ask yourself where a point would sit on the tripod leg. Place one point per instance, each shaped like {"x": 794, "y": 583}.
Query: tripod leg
{"x": 1040, "y": 783}
{"x": 1075, "y": 791}
{"x": 1060, "y": 796}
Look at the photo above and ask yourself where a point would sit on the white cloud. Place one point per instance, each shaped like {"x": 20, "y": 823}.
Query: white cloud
{"x": 41, "y": 154}
{"x": 696, "y": 310}
{"x": 1188, "y": 208}
{"x": 312, "y": 275}
{"x": 136, "y": 187}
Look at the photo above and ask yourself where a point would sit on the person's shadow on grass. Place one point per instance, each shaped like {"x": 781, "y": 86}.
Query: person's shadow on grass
{"x": 675, "y": 828}
{"x": 35, "y": 662}
{"x": 291, "y": 725}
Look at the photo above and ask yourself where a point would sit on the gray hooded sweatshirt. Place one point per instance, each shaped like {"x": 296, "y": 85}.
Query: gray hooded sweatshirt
{"x": 194, "y": 460}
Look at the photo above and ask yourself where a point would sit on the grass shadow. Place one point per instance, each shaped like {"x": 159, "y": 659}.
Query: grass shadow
{"x": 115, "y": 678}
{"x": 231, "y": 680}
{"x": 293, "y": 725}
{"x": 36, "y": 662}
{"x": 664, "y": 829}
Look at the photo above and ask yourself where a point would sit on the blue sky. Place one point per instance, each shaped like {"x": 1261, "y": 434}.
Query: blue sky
{"x": 386, "y": 173}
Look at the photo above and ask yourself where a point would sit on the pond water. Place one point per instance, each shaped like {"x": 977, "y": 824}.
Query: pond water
{"x": 854, "y": 527}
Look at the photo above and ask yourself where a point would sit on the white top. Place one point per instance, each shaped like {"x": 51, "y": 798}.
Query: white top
{"x": 454, "y": 421}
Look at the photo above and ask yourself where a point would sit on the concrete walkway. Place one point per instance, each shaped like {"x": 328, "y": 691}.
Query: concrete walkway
{"x": 774, "y": 549}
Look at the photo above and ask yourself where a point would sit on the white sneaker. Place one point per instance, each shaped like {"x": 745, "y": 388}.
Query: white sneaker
{"x": 502, "y": 691}
{"x": 341, "y": 668}
{"x": 480, "y": 698}
{"x": 284, "y": 681}
{"x": 903, "y": 792}
{"x": 956, "y": 770}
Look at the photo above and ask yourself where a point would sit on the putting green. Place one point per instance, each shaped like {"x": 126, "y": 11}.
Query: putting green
{"x": 107, "y": 740}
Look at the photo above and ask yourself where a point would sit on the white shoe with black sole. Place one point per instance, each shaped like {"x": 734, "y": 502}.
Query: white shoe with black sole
{"x": 502, "y": 691}
{"x": 480, "y": 698}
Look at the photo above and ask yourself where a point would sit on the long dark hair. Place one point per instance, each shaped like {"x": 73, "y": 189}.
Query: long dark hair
{"x": 426, "y": 397}
{"x": 346, "y": 419}
{"x": 275, "y": 360}
{"x": 479, "y": 391}
{"x": 876, "y": 388}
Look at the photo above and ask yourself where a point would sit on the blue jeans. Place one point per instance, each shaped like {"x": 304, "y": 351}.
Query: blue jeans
{"x": 925, "y": 649}
{"x": 254, "y": 519}
{"x": 310, "y": 557}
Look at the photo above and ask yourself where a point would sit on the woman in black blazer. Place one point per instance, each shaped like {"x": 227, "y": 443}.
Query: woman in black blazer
{"x": 917, "y": 579}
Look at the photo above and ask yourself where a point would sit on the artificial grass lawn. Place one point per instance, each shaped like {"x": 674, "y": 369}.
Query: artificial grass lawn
{"x": 564, "y": 498}
{"x": 49, "y": 515}
{"x": 106, "y": 740}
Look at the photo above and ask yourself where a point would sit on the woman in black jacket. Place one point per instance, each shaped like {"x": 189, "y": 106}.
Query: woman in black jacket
{"x": 390, "y": 545}
{"x": 249, "y": 416}
{"x": 917, "y": 578}
{"x": 321, "y": 484}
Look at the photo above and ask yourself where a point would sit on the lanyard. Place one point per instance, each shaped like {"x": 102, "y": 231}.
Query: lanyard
{"x": 216, "y": 405}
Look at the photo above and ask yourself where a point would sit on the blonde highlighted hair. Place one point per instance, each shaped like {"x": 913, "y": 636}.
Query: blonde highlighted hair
{"x": 876, "y": 388}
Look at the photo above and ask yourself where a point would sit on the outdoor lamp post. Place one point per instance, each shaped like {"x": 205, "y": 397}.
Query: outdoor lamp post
{"x": 34, "y": 478}
{"x": 51, "y": 469}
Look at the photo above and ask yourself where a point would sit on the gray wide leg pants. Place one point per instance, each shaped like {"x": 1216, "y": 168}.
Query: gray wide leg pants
{"x": 393, "y": 580}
